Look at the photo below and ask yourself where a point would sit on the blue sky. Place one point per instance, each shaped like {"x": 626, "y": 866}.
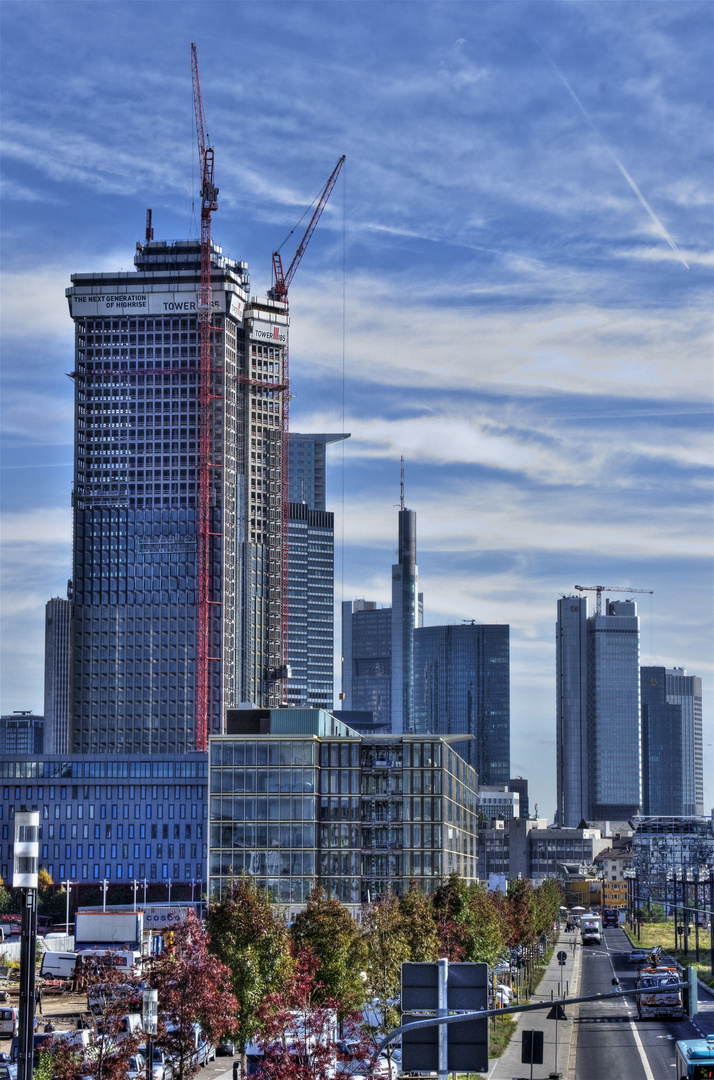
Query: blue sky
{"x": 514, "y": 274}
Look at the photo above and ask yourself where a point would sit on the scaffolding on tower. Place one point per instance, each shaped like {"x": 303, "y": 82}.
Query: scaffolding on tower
{"x": 279, "y": 292}
{"x": 209, "y": 203}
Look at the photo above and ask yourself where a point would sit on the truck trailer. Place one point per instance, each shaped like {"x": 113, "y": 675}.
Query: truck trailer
{"x": 111, "y": 929}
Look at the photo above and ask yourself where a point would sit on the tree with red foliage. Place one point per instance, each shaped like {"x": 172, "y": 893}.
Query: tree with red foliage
{"x": 299, "y": 1039}
{"x": 194, "y": 989}
{"x": 451, "y": 911}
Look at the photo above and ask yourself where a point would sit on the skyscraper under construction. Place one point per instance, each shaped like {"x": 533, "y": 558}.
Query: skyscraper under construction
{"x": 139, "y": 427}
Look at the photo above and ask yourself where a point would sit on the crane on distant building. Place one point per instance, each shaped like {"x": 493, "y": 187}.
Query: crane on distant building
{"x": 209, "y": 204}
{"x": 600, "y": 589}
{"x": 279, "y": 292}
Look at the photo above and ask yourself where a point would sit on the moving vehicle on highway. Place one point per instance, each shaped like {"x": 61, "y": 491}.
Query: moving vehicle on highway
{"x": 591, "y": 928}
{"x": 694, "y": 1059}
{"x": 665, "y": 998}
{"x": 610, "y": 916}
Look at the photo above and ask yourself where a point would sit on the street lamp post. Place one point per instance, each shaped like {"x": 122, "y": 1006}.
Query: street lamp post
{"x": 24, "y": 876}
{"x": 68, "y": 885}
{"x": 150, "y": 1014}
{"x": 135, "y": 887}
{"x": 145, "y": 884}
{"x": 169, "y": 885}
{"x": 105, "y": 886}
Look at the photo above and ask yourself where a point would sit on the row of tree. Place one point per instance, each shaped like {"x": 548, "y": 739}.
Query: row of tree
{"x": 250, "y": 977}
{"x": 348, "y": 964}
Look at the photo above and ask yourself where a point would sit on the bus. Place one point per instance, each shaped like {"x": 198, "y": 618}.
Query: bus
{"x": 694, "y": 1059}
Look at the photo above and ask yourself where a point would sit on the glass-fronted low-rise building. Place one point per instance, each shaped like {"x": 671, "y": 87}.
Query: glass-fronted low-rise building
{"x": 118, "y": 818}
{"x": 297, "y": 798}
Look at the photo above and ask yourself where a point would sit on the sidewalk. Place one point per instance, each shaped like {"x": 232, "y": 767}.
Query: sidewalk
{"x": 509, "y": 1066}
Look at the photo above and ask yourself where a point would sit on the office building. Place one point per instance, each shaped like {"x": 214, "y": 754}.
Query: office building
{"x": 405, "y": 619}
{"x": 598, "y": 712}
{"x": 462, "y": 687}
{"x": 119, "y": 818}
{"x": 664, "y": 846}
{"x": 367, "y": 659}
{"x": 57, "y": 641}
{"x": 311, "y": 552}
{"x": 149, "y": 575}
{"x": 22, "y": 733}
{"x": 298, "y": 799}
{"x": 672, "y": 764}
{"x": 520, "y": 785}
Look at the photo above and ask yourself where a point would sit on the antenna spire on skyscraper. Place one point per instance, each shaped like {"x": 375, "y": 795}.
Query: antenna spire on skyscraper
{"x": 401, "y": 484}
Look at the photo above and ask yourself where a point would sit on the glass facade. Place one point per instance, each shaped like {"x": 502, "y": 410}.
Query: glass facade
{"x": 311, "y": 556}
{"x": 462, "y": 686}
{"x": 120, "y": 818}
{"x": 360, "y": 816}
{"x": 57, "y": 643}
{"x": 599, "y": 770}
{"x": 405, "y": 619}
{"x": 135, "y": 501}
{"x": 672, "y": 765}
{"x": 367, "y": 658}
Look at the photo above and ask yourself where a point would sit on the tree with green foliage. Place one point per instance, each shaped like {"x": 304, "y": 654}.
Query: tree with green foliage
{"x": 452, "y": 914}
{"x": 252, "y": 940}
{"x": 388, "y": 942}
{"x": 548, "y": 898}
{"x": 520, "y": 911}
{"x": 419, "y": 925}
{"x": 326, "y": 928}
{"x": 488, "y": 935}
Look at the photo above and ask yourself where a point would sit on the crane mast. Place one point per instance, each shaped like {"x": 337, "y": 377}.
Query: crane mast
{"x": 600, "y": 589}
{"x": 279, "y": 291}
{"x": 209, "y": 203}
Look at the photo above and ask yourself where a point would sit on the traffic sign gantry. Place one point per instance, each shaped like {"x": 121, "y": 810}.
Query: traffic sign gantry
{"x": 466, "y": 991}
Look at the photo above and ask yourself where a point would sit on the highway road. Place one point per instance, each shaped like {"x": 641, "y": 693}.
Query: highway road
{"x": 612, "y": 1044}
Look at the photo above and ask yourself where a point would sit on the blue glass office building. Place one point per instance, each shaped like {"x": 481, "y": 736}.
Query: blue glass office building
{"x": 462, "y": 686}
{"x": 672, "y": 763}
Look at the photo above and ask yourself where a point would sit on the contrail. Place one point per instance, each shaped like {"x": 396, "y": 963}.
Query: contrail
{"x": 643, "y": 201}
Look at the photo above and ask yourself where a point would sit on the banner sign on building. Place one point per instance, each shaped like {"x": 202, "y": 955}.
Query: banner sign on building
{"x": 89, "y": 305}
{"x": 270, "y": 333}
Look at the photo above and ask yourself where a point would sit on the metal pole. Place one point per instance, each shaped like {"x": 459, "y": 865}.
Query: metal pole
{"x": 28, "y": 947}
{"x": 685, "y": 900}
{"x": 443, "y": 1066}
{"x": 711, "y": 922}
{"x": 66, "y": 912}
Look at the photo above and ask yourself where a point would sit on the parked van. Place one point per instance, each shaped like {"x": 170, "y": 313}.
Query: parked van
{"x": 58, "y": 965}
{"x": 120, "y": 1027}
{"x": 8, "y": 1021}
{"x": 124, "y": 960}
{"x": 41, "y": 1039}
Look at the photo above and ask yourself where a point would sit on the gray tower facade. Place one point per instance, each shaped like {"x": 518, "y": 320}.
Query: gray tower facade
{"x": 57, "y": 648}
{"x": 311, "y": 556}
{"x": 672, "y": 763}
{"x": 367, "y": 659}
{"x": 138, "y": 441}
{"x": 599, "y": 770}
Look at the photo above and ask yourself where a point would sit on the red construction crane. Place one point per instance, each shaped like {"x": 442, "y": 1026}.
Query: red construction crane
{"x": 599, "y": 589}
{"x": 279, "y": 291}
{"x": 209, "y": 203}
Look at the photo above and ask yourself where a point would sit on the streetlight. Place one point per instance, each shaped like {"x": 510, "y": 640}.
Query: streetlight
{"x": 105, "y": 886}
{"x": 149, "y": 1020}
{"x": 68, "y": 885}
{"x": 135, "y": 887}
{"x": 169, "y": 885}
{"x": 24, "y": 876}
{"x": 145, "y": 883}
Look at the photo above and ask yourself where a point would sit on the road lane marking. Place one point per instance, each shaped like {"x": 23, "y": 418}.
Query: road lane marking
{"x": 649, "y": 1075}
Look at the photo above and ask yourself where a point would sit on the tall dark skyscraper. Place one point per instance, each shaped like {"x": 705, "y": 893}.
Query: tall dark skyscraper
{"x": 462, "y": 685}
{"x": 672, "y": 763}
{"x": 57, "y": 642}
{"x": 598, "y": 712}
{"x": 405, "y": 619}
{"x": 311, "y": 550}
{"x": 367, "y": 659}
{"x": 138, "y": 433}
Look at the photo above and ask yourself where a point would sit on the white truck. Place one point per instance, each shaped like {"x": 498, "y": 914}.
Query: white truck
{"x": 591, "y": 929}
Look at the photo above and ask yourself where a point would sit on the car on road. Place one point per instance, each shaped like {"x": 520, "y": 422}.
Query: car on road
{"x": 227, "y": 1048}
{"x": 638, "y": 956}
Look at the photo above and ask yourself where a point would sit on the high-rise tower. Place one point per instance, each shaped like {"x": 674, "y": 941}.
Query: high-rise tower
{"x": 311, "y": 589}
{"x": 672, "y": 762}
{"x": 598, "y": 712}
{"x": 135, "y": 500}
{"x": 405, "y": 619}
{"x": 57, "y": 642}
{"x": 461, "y": 686}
